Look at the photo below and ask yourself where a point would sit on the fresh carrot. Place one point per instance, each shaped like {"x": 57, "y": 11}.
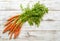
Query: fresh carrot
{"x": 11, "y": 30}
{"x": 13, "y": 17}
{"x": 7, "y": 28}
{"x": 11, "y": 35}
{"x": 16, "y": 30}
{"x": 9, "y": 22}
{"x": 16, "y": 33}
{"x": 13, "y": 26}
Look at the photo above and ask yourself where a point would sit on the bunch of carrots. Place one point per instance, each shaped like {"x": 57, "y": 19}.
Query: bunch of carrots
{"x": 31, "y": 15}
{"x": 13, "y": 27}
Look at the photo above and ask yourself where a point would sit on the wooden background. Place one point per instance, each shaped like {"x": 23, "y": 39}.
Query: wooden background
{"x": 49, "y": 29}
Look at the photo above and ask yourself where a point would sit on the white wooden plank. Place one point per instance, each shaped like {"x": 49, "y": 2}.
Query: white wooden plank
{"x": 57, "y": 36}
{"x": 41, "y": 35}
{"x": 45, "y": 25}
{"x": 15, "y": 4}
{"x": 53, "y": 15}
{"x": 7, "y": 14}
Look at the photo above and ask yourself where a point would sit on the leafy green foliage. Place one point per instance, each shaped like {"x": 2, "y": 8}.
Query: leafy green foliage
{"x": 35, "y": 14}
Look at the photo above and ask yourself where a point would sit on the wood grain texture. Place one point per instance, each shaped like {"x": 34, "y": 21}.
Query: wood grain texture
{"x": 15, "y": 4}
{"x": 40, "y": 35}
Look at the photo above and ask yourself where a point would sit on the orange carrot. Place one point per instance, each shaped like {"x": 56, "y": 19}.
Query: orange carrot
{"x": 13, "y": 17}
{"x": 13, "y": 25}
{"x": 8, "y": 22}
{"x": 7, "y": 28}
{"x": 11, "y": 35}
{"x": 11, "y": 21}
{"x": 16, "y": 30}
{"x": 16, "y": 33}
{"x": 17, "y": 25}
{"x": 12, "y": 28}
{"x": 11, "y": 31}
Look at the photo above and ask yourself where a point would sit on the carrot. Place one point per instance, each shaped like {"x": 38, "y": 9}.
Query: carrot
{"x": 8, "y": 22}
{"x": 7, "y": 28}
{"x": 11, "y": 35}
{"x": 16, "y": 33}
{"x": 15, "y": 28}
{"x": 14, "y": 24}
{"x": 11, "y": 31}
{"x": 12, "y": 28}
{"x": 11, "y": 21}
{"x": 13, "y": 17}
